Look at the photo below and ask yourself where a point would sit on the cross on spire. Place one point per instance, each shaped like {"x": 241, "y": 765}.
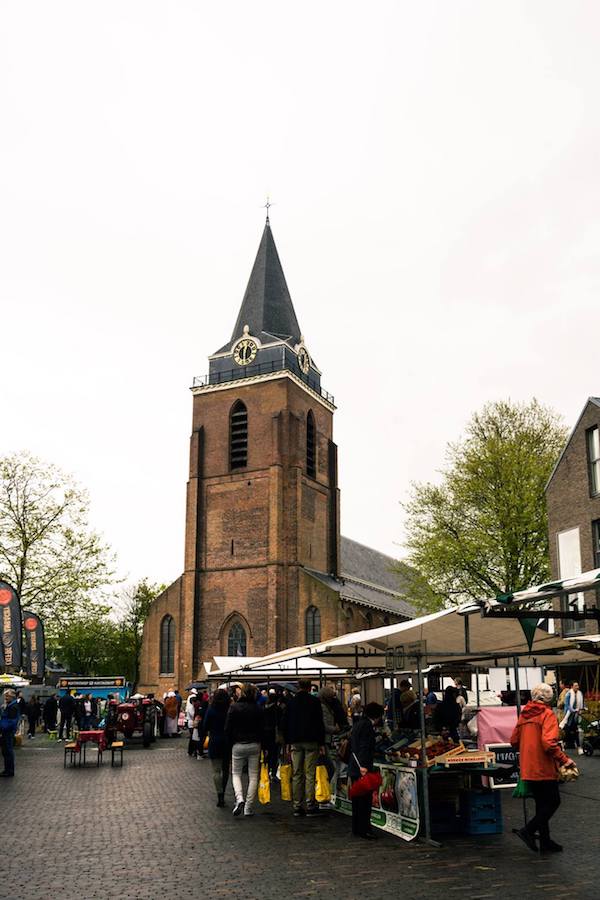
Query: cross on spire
{"x": 267, "y": 206}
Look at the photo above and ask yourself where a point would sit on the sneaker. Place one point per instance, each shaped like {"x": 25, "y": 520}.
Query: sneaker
{"x": 248, "y": 812}
{"x": 59, "y": 740}
{"x": 299, "y": 811}
{"x": 238, "y": 808}
{"x": 579, "y": 753}
{"x": 313, "y": 811}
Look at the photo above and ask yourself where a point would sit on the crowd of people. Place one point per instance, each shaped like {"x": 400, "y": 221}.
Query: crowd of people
{"x": 234, "y": 728}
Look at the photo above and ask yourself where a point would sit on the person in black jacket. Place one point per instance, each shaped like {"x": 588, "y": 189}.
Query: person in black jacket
{"x": 304, "y": 734}
{"x": 362, "y": 751}
{"x": 66, "y": 705}
{"x": 33, "y": 714}
{"x": 244, "y": 733}
{"x": 213, "y": 727}
{"x": 50, "y": 712}
{"x": 447, "y": 714}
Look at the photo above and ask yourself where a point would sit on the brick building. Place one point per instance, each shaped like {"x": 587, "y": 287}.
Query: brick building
{"x": 573, "y": 501}
{"x": 265, "y": 565}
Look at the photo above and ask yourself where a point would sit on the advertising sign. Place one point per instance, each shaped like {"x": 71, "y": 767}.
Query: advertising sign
{"x": 507, "y": 760}
{"x": 82, "y": 684}
{"x": 35, "y": 645}
{"x": 10, "y": 626}
{"x": 395, "y": 803}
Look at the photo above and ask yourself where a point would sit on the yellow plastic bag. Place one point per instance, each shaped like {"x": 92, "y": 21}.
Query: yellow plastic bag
{"x": 264, "y": 784}
{"x": 285, "y": 777}
{"x": 322, "y": 788}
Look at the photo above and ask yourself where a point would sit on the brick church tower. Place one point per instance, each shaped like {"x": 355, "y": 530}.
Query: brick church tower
{"x": 265, "y": 567}
{"x": 262, "y": 496}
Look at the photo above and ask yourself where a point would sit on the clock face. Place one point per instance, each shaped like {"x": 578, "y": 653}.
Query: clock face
{"x": 244, "y": 351}
{"x": 303, "y": 359}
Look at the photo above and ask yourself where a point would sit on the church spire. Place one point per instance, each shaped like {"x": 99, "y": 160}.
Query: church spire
{"x": 267, "y": 307}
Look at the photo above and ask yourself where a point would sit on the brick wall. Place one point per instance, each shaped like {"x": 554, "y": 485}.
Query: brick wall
{"x": 569, "y": 502}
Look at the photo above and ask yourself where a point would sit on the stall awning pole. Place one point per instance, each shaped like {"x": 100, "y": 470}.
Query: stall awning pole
{"x": 426, "y": 810}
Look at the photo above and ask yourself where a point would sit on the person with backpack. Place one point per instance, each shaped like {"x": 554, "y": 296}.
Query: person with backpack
{"x": 9, "y": 722}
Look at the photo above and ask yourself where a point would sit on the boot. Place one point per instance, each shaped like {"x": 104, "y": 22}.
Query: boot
{"x": 221, "y": 800}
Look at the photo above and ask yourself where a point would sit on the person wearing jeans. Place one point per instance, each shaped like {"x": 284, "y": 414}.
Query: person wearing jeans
{"x": 304, "y": 734}
{"x": 244, "y": 731}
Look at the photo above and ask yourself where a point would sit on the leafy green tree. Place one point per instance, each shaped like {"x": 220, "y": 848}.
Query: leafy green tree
{"x": 135, "y": 607}
{"x": 89, "y": 644}
{"x": 483, "y": 529}
{"x": 47, "y": 550}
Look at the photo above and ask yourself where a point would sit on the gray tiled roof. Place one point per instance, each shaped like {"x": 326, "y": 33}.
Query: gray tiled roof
{"x": 267, "y": 307}
{"x": 368, "y": 578}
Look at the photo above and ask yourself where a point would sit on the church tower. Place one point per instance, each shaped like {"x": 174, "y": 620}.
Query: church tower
{"x": 262, "y": 538}
{"x": 262, "y": 495}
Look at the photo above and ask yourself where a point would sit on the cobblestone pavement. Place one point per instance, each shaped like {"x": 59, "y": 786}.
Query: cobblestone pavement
{"x": 151, "y": 830}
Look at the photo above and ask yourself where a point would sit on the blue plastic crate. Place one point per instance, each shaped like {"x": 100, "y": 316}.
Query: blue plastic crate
{"x": 476, "y": 803}
{"x": 485, "y": 826}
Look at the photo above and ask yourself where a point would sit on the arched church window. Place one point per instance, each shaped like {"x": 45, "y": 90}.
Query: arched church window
{"x": 311, "y": 442}
{"x": 313, "y": 625}
{"x": 167, "y": 646}
{"x": 238, "y": 436}
{"x": 236, "y": 641}
{"x": 369, "y": 618}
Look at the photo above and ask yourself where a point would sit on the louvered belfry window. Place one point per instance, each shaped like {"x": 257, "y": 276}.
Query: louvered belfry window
{"x": 311, "y": 450}
{"x": 238, "y": 437}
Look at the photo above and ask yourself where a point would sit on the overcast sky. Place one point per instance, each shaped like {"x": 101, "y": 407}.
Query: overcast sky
{"x": 434, "y": 169}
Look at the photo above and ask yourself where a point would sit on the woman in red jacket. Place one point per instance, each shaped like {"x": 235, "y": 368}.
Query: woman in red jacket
{"x": 536, "y": 737}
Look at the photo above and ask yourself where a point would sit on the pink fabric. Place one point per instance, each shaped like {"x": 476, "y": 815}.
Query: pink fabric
{"x": 495, "y": 724}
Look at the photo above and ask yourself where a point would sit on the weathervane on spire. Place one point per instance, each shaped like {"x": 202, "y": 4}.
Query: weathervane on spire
{"x": 267, "y": 206}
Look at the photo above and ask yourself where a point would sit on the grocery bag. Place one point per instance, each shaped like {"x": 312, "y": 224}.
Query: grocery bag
{"x": 322, "y": 789}
{"x": 285, "y": 777}
{"x": 264, "y": 783}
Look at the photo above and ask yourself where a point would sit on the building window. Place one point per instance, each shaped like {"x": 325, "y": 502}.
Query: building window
{"x": 596, "y": 543}
{"x": 238, "y": 436}
{"x": 313, "y": 625}
{"x": 369, "y": 618}
{"x": 593, "y": 451}
{"x": 167, "y": 646}
{"x": 311, "y": 443}
{"x": 236, "y": 642}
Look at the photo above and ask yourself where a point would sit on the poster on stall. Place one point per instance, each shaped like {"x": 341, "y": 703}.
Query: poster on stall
{"x": 395, "y": 803}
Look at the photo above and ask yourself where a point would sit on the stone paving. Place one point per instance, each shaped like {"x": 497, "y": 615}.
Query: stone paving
{"x": 152, "y": 830}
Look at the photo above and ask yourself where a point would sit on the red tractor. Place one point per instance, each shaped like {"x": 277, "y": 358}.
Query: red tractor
{"x": 138, "y": 716}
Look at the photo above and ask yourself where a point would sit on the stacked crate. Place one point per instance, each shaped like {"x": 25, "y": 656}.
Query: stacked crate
{"x": 481, "y": 812}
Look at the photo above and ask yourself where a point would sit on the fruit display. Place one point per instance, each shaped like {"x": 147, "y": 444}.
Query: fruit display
{"x": 411, "y": 754}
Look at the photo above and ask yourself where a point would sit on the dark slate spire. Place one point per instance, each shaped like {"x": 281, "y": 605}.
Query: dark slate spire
{"x": 267, "y": 307}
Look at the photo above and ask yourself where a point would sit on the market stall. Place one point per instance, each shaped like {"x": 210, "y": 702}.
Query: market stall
{"x": 416, "y": 775}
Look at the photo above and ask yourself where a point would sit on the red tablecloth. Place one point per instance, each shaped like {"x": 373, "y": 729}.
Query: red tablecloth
{"x": 96, "y": 736}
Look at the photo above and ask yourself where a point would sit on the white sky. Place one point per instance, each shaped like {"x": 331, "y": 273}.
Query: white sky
{"x": 435, "y": 174}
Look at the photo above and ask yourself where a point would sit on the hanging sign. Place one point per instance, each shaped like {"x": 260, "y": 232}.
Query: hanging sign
{"x": 507, "y": 762}
{"x": 10, "y": 626}
{"x": 35, "y": 645}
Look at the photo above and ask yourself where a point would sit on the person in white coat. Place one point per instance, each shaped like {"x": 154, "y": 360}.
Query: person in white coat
{"x": 574, "y": 704}
{"x": 190, "y": 713}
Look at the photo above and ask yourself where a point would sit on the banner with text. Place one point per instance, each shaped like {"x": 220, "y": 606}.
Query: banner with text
{"x": 10, "y": 626}
{"x": 35, "y": 645}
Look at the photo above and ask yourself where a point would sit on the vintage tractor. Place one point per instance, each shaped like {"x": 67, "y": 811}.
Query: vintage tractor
{"x": 139, "y": 716}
